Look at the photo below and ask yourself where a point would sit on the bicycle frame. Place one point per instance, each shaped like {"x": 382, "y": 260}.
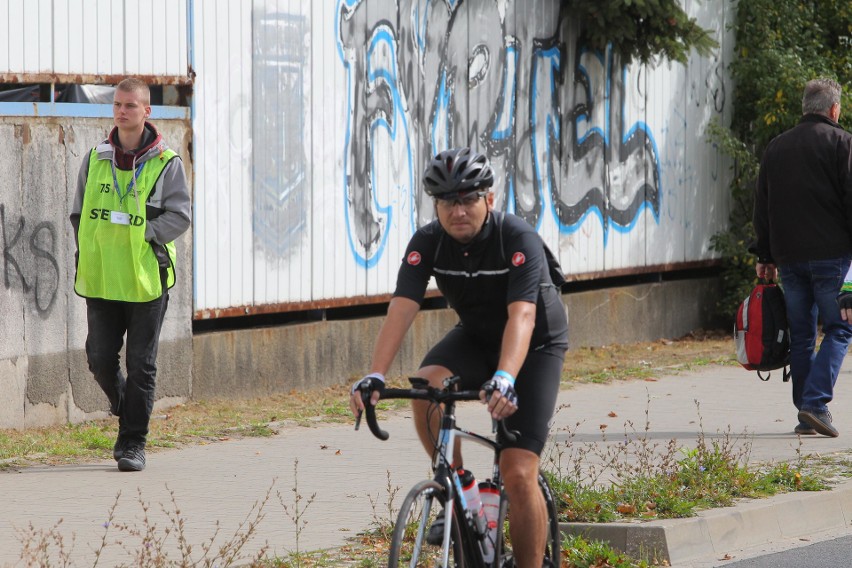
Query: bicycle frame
{"x": 446, "y": 484}
{"x": 447, "y": 477}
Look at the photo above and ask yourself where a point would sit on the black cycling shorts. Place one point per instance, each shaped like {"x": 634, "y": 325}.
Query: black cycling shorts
{"x": 537, "y": 383}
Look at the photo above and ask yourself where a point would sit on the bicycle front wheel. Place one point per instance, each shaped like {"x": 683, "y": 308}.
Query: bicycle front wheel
{"x": 421, "y": 507}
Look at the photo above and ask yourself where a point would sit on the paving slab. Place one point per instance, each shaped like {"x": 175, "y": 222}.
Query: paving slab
{"x": 325, "y": 484}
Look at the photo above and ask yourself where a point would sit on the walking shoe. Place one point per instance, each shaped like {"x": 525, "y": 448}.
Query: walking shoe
{"x": 436, "y": 531}
{"x": 821, "y": 422}
{"x": 803, "y": 429}
{"x": 118, "y": 448}
{"x": 133, "y": 458}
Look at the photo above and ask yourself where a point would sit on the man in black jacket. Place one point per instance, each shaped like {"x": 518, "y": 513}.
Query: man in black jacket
{"x": 803, "y": 221}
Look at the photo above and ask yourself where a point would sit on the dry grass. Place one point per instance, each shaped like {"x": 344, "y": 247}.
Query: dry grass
{"x": 209, "y": 421}
{"x": 648, "y": 359}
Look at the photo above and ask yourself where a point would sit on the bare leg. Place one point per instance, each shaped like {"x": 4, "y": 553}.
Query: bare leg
{"x": 428, "y": 425}
{"x": 527, "y": 510}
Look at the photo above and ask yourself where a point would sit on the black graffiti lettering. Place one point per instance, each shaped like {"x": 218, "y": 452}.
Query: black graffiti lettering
{"x": 46, "y": 282}
{"x": 565, "y": 127}
{"x": 43, "y": 270}
{"x": 8, "y": 258}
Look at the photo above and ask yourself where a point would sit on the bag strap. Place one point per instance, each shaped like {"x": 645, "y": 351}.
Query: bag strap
{"x": 787, "y": 373}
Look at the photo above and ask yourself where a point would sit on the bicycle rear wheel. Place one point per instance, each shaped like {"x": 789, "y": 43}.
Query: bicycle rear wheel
{"x": 420, "y": 508}
{"x": 552, "y": 546}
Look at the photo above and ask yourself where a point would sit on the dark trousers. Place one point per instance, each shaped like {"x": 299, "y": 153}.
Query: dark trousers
{"x": 130, "y": 398}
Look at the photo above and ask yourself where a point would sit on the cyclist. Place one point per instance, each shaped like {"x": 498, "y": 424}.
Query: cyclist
{"x": 498, "y": 275}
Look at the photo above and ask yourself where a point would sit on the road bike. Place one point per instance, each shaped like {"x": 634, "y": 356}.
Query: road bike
{"x": 465, "y": 544}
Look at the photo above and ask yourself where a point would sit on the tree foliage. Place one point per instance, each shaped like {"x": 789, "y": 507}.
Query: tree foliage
{"x": 780, "y": 45}
{"x": 640, "y": 29}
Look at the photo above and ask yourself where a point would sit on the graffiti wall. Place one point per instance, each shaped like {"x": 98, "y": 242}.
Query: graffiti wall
{"x": 43, "y": 370}
{"x": 350, "y": 98}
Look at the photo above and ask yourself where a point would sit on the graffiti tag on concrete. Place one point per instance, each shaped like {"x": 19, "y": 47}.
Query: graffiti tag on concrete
{"x": 29, "y": 259}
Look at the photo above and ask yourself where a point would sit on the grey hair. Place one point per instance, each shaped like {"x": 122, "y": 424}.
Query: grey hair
{"x": 820, "y": 95}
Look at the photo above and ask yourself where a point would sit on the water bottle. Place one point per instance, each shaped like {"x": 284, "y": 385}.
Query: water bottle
{"x": 471, "y": 497}
{"x": 489, "y": 495}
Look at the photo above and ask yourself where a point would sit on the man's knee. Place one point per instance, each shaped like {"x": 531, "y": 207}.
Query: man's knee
{"x": 102, "y": 362}
{"x": 519, "y": 469}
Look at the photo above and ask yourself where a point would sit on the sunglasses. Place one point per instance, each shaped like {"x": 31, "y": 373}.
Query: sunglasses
{"x": 467, "y": 201}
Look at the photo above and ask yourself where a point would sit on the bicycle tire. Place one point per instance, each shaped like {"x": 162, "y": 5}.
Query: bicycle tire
{"x": 553, "y": 544}
{"x": 418, "y": 510}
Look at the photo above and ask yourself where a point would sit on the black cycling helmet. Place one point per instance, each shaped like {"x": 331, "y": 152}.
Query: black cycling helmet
{"x": 455, "y": 171}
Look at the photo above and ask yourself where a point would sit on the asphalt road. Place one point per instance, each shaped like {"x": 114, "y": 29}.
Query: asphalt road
{"x": 835, "y": 552}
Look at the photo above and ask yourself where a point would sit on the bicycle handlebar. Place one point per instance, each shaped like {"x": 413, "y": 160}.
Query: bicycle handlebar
{"x": 431, "y": 394}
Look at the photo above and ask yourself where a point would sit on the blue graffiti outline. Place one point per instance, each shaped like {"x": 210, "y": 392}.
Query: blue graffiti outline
{"x": 590, "y": 96}
{"x": 360, "y": 259}
{"x": 511, "y": 55}
{"x": 420, "y": 25}
{"x": 607, "y": 61}
{"x": 554, "y": 55}
{"x": 392, "y": 80}
{"x": 640, "y": 125}
{"x": 350, "y": 5}
{"x": 442, "y": 106}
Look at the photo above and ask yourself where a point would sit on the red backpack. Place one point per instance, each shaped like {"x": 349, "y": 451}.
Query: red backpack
{"x": 761, "y": 333}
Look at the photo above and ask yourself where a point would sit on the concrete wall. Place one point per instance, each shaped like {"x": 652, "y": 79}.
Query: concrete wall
{"x": 256, "y": 362}
{"x": 44, "y": 377}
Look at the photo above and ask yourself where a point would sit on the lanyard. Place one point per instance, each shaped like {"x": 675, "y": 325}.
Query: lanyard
{"x": 129, "y": 185}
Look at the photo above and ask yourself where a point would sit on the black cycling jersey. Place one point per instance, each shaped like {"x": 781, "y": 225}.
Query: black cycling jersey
{"x": 506, "y": 262}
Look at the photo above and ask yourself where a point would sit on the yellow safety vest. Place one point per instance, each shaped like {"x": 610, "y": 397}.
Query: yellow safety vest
{"x": 115, "y": 261}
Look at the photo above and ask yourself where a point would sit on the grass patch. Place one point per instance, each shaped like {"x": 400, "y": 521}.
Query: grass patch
{"x": 647, "y": 359}
{"x": 208, "y": 421}
{"x": 634, "y": 479}
{"x": 578, "y": 552}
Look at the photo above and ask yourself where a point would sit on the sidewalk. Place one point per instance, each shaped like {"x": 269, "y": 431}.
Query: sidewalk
{"x": 342, "y": 475}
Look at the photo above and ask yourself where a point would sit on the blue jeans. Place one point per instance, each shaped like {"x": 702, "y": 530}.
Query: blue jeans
{"x": 810, "y": 292}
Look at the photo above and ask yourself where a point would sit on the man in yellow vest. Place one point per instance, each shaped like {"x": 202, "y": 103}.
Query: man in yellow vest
{"x": 132, "y": 202}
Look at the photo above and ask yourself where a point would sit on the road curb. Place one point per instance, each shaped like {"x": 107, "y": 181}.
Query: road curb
{"x": 717, "y": 532}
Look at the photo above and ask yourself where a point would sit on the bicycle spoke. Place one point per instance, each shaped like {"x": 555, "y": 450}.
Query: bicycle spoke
{"x": 409, "y": 546}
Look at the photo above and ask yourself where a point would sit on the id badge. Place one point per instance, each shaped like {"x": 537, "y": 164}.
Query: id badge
{"x": 119, "y": 218}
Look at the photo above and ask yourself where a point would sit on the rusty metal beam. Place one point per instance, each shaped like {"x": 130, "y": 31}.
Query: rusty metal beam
{"x": 239, "y": 311}
{"x": 90, "y": 79}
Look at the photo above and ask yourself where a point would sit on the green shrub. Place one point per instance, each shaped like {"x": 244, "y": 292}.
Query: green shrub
{"x": 780, "y": 45}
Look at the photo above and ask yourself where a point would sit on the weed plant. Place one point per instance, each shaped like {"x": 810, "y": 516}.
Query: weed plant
{"x": 637, "y": 478}
{"x": 632, "y": 478}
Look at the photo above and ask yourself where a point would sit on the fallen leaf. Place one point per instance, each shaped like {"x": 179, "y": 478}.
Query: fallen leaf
{"x": 625, "y": 508}
{"x": 323, "y": 447}
{"x": 337, "y": 453}
{"x": 726, "y": 557}
{"x": 612, "y": 414}
{"x": 602, "y": 426}
{"x": 650, "y": 380}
